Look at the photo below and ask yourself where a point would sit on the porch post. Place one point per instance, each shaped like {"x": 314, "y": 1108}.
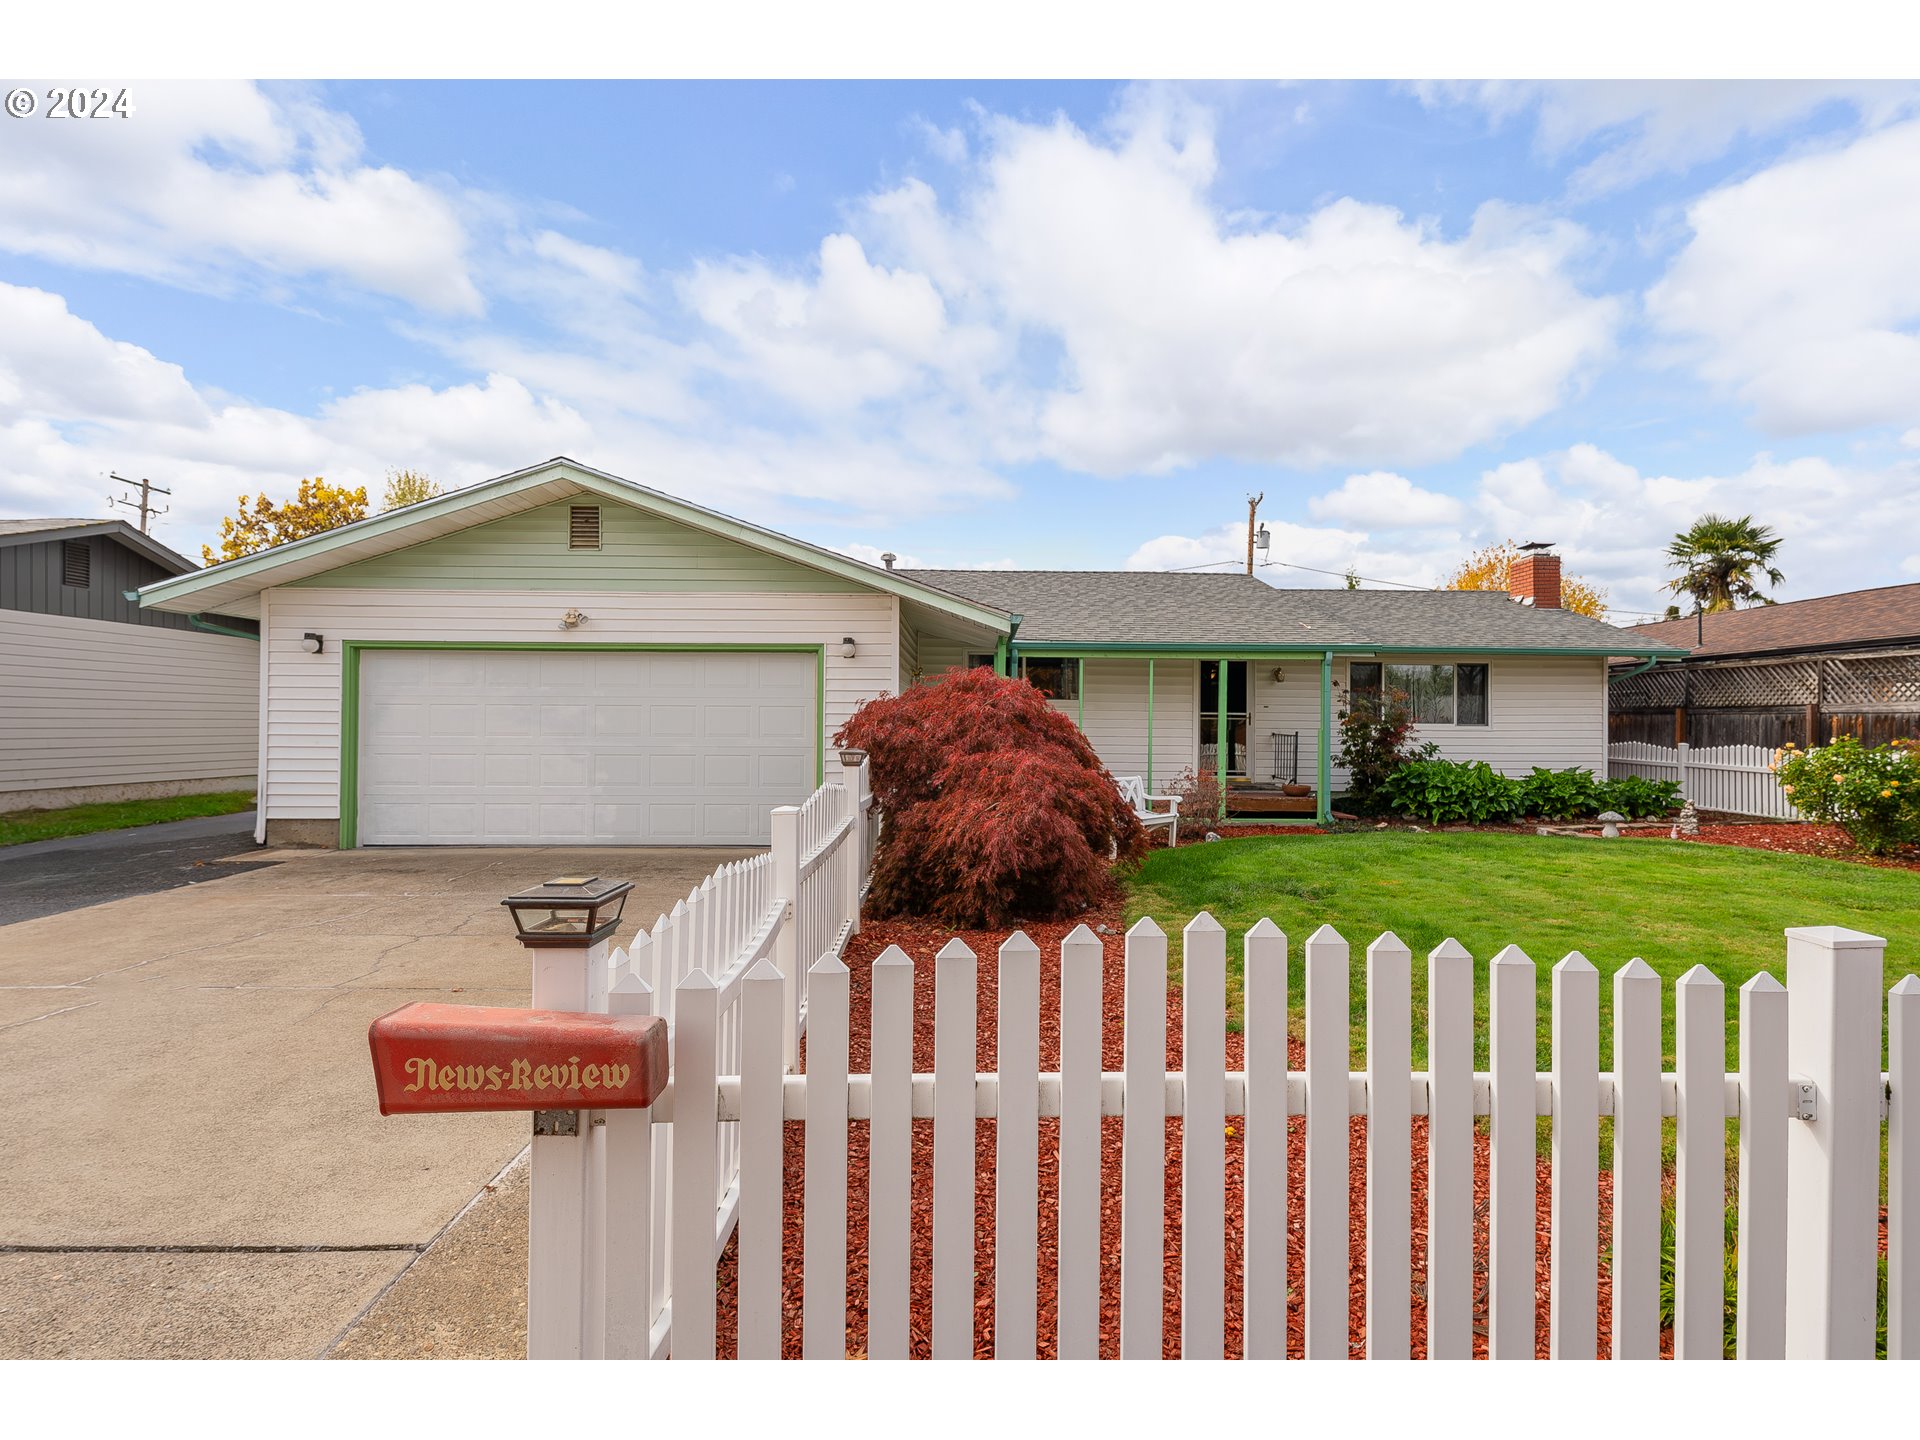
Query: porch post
{"x": 1220, "y": 736}
{"x": 1149, "y": 724}
{"x": 1000, "y": 666}
{"x": 1325, "y": 787}
{"x": 1080, "y": 690}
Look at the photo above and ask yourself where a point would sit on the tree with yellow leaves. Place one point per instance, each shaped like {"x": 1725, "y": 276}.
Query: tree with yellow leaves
{"x": 407, "y": 487}
{"x": 261, "y": 525}
{"x": 1488, "y": 569}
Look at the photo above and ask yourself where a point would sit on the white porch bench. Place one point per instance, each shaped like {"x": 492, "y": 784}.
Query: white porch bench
{"x": 1133, "y": 790}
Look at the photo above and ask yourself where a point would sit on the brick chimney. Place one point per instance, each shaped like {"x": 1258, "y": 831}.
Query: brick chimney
{"x": 1534, "y": 578}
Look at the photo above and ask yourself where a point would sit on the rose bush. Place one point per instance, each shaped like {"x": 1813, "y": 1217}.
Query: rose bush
{"x": 1871, "y": 792}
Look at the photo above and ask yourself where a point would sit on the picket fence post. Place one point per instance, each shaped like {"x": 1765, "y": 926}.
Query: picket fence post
{"x": 1686, "y": 790}
{"x": 1833, "y": 1159}
{"x": 853, "y": 765}
{"x": 628, "y": 1251}
{"x": 786, "y": 943}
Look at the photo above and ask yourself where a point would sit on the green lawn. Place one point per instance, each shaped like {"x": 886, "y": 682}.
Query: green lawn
{"x": 1672, "y": 903}
{"x": 19, "y": 826}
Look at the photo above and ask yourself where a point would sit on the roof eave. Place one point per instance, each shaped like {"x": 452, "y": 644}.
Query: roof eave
{"x": 178, "y": 594}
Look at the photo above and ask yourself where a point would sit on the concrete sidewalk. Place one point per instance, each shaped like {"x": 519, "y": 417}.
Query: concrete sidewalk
{"x": 189, "y": 1068}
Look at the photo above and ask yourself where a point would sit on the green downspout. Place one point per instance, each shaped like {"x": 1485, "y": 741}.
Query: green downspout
{"x": 1639, "y": 669}
{"x": 1149, "y": 724}
{"x": 1220, "y": 736}
{"x": 1325, "y": 787}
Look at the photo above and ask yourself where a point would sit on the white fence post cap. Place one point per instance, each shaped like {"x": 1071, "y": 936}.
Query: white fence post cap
{"x": 1835, "y": 937}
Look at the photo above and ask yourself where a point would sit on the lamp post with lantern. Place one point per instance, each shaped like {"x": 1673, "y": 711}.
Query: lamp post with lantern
{"x": 567, "y": 924}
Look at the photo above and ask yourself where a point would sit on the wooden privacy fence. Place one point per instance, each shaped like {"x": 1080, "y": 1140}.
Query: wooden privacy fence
{"x": 1808, "y": 1096}
{"x": 1730, "y": 778}
{"x": 800, "y": 898}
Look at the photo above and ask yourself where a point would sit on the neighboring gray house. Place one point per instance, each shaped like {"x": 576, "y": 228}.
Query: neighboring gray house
{"x": 560, "y": 656}
{"x": 101, "y": 699}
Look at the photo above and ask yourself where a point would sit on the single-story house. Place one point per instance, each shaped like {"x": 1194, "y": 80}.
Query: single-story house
{"x": 1801, "y": 670}
{"x": 102, "y": 698}
{"x": 562, "y": 656}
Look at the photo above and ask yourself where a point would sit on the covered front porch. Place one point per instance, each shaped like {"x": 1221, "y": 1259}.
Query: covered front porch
{"x": 1158, "y": 710}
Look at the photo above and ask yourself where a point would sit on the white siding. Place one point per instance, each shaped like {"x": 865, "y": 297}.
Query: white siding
{"x": 1546, "y": 710}
{"x": 93, "y": 702}
{"x": 1115, "y": 716}
{"x": 303, "y": 709}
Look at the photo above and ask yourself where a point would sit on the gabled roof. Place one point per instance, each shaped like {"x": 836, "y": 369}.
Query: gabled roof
{"x": 1826, "y": 622}
{"x": 234, "y": 586}
{"x": 1147, "y": 609}
{"x": 33, "y": 532}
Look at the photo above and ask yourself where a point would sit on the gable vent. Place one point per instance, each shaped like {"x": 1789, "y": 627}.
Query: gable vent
{"x": 583, "y": 527}
{"x": 76, "y": 563}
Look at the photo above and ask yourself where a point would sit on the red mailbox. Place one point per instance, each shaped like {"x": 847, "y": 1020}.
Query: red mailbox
{"x": 431, "y": 1058}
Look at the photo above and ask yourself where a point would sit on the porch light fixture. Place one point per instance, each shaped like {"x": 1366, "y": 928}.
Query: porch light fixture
{"x": 569, "y": 911}
{"x": 574, "y": 619}
{"x": 847, "y": 648}
{"x": 313, "y": 642}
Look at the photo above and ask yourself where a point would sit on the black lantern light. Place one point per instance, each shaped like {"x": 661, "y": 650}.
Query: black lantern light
{"x": 572, "y": 910}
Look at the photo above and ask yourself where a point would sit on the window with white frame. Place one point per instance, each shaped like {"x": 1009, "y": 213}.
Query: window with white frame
{"x": 1055, "y": 679}
{"x": 1450, "y": 694}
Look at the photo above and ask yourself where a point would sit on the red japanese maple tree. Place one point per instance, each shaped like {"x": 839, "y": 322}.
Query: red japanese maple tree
{"x": 994, "y": 806}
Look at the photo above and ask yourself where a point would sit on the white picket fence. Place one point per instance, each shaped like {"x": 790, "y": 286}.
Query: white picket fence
{"x": 800, "y": 898}
{"x": 1731, "y": 778}
{"x": 1808, "y": 1095}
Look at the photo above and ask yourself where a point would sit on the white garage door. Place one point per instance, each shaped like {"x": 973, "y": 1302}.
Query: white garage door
{"x": 540, "y": 747}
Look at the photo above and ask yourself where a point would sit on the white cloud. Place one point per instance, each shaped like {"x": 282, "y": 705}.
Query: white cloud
{"x": 223, "y": 184}
{"x": 1382, "y": 500}
{"x": 1163, "y": 333}
{"x": 1911, "y": 439}
{"x": 1650, "y": 127}
{"x": 1325, "y": 549}
{"x": 1798, "y": 292}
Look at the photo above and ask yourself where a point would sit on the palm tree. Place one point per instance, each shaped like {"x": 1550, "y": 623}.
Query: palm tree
{"x": 1724, "y": 561}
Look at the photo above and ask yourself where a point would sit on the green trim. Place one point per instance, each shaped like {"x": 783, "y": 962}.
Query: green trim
{"x": 596, "y": 482}
{"x": 1000, "y": 658}
{"x": 1080, "y": 693}
{"x": 1149, "y": 724}
{"x": 350, "y": 698}
{"x": 1220, "y": 770}
{"x": 1060, "y": 649}
{"x": 1325, "y": 787}
{"x": 213, "y": 627}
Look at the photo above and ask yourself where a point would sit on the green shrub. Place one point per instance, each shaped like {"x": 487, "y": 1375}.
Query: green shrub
{"x": 1376, "y": 739}
{"x": 1639, "y": 798}
{"x": 1872, "y": 794}
{"x": 1560, "y": 794}
{"x": 1440, "y": 791}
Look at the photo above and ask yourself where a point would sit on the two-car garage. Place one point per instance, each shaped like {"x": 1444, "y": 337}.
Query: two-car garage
{"x": 580, "y": 745}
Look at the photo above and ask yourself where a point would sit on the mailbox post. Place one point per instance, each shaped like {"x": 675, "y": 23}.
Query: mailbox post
{"x": 567, "y": 925}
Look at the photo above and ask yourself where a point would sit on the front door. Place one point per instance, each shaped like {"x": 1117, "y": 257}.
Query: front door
{"x": 1236, "y": 726}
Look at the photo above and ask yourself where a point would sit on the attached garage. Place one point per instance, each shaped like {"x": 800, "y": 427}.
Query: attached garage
{"x": 560, "y": 657}
{"x": 481, "y": 746}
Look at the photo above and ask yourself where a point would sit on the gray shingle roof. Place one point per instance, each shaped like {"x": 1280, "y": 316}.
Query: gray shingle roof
{"x": 1156, "y": 607}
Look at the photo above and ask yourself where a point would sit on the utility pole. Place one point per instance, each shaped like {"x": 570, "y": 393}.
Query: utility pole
{"x": 144, "y": 504}
{"x": 1253, "y": 509}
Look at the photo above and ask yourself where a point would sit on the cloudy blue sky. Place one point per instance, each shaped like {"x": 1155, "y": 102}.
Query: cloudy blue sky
{"x": 1066, "y": 325}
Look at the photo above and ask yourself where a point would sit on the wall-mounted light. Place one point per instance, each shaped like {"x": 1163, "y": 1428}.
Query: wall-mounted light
{"x": 574, "y": 619}
{"x": 847, "y": 647}
{"x": 1279, "y": 674}
{"x": 313, "y": 642}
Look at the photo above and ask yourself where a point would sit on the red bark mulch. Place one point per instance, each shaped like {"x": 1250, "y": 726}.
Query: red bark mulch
{"x": 921, "y": 942}
{"x": 1829, "y": 842}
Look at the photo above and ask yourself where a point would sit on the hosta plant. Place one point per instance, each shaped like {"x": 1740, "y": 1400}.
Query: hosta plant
{"x": 1871, "y": 792}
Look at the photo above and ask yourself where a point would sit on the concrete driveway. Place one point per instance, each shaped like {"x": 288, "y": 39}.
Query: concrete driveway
{"x": 194, "y": 1164}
